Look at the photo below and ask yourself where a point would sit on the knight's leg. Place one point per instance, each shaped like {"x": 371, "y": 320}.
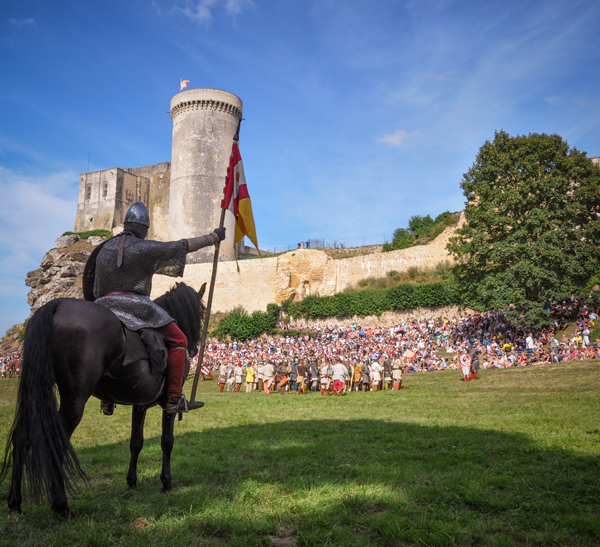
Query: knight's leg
{"x": 166, "y": 443}
{"x": 136, "y": 443}
{"x": 176, "y": 344}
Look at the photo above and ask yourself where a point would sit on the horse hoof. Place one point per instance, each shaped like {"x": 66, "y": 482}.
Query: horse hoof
{"x": 64, "y": 512}
{"x": 132, "y": 483}
{"x": 166, "y": 489}
{"x": 15, "y": 513}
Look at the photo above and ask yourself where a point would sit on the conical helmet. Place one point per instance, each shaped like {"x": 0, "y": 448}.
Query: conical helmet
{"x": 139, "y": 214}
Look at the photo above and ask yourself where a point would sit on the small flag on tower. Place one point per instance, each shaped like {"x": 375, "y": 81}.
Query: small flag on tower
{"x": 184, "y": 84}
{"x": 237, "y": 199}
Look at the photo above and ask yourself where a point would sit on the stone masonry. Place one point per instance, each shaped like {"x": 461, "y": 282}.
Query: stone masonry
{"x": 302, "y": 272}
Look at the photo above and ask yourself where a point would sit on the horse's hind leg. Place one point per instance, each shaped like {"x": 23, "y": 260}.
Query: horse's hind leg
{"x": 136, "y": 443}
{"x": 71, "y": 412}
{"x": 166, "y": 443}
{"x": 15, "y": 498}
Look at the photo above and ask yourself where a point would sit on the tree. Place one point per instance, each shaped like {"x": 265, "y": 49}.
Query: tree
{"x": 401, "y": 239}
{"x": 418, "y": 225}
{"x": 532, "y": 232}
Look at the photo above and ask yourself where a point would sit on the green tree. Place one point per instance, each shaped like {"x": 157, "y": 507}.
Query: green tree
{"x": 401, "y": 239}
{"x": 532, "y": 232}
{"x": 419, "y": 225}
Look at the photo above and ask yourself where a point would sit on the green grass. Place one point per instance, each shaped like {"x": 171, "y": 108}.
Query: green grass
{"x": 510, "y": 459}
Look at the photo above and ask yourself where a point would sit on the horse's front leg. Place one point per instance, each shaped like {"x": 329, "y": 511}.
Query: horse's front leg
{"x": 136, "y": 443}
{"x": 166, "y": 443}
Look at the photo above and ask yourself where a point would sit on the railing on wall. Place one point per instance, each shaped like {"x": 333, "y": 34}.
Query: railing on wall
{"x": 343, "y": 243}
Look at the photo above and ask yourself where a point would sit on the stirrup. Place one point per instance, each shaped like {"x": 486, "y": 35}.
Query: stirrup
{"x": 174, "y": 405}
{"x": 107, "y": 408}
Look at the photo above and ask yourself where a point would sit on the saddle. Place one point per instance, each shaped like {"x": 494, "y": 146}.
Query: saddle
{"x": 146, "y": 344}
{"x": 143, "y": 344}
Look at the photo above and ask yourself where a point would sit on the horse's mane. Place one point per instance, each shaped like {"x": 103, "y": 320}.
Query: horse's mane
{"x": 184, "y": 305}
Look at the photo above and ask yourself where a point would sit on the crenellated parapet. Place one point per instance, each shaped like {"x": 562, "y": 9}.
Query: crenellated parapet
{"x": 206, "y": 104}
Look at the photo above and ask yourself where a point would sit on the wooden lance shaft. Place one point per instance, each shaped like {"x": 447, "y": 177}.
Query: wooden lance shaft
{"x": 207, "y": 313}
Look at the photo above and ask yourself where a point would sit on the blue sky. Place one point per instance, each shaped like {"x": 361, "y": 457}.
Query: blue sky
{"x": 358, "y": 114}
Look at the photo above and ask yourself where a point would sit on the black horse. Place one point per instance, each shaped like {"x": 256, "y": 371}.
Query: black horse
{"x": 80, "y": 346}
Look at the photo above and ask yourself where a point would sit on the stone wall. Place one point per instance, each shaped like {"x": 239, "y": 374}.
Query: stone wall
{"x": 301, "y": 273}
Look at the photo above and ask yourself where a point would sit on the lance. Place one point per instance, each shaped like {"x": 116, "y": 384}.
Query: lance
{"x": 210, "y": 295}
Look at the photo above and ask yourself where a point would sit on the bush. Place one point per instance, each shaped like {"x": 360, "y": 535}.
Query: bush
{"x": 376, "y": 301}
{"x": 239, "y": 325}
{"x": 22, "y": 332}
{"x": 419, "y": 225}
{"x": 421, "y": 230}
{"x": 89, "y": 233}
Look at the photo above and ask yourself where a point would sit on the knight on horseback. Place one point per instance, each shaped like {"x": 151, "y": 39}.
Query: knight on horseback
{"x": 118, "y": 275}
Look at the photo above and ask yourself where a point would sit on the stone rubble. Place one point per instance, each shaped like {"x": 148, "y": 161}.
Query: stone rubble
{"x": 59, "y": 275}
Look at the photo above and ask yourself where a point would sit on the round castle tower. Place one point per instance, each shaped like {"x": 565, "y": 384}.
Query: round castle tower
{"x": 204, "y": 124}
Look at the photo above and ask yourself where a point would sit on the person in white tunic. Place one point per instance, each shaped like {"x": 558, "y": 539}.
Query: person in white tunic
{"x": 339, "y": 373}
{"x": 223, "y": 375}
{"x": 325, "y": 373}
{"x": 397, "y": 371}
{"x": 268, "y": 377}
{"x": 376, "y": 370}
{"x": 237, "y": 373}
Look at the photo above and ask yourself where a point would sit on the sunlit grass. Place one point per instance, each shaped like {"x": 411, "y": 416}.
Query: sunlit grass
{"x": 510, "y": 459}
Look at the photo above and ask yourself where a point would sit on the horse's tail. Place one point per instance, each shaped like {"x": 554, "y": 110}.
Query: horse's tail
{"x": 38, "y": 439}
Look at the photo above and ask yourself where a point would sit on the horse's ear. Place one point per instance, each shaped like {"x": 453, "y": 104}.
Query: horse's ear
{"x": 201, "y": 291}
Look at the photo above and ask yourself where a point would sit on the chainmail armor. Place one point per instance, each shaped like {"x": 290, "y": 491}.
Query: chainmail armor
{"x": 141, "y": 260}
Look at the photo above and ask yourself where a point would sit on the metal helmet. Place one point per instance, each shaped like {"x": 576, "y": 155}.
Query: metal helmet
{"x": 139, "y": 214}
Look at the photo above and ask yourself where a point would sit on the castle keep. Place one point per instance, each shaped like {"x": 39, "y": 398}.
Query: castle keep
{"x": 183, "y": 196}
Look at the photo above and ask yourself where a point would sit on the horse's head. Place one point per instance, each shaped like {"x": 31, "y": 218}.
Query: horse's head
{"x": 184, "y": 304}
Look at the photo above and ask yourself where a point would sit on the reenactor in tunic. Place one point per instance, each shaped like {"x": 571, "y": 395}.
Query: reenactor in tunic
{"x": 281, "y": 375}
{"x": 314, "y": 374}
{"x": 301, "y": 376}
{"x": 387, "y": 372}
{"x": 325, "y": 377}
{"x": 398, "y": 368}
{"x": 357, "y": 372}
{"x": 365, "y": 376}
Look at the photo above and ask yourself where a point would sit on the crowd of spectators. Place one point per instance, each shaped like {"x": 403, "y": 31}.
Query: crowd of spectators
{"x": 426, "y": 345}
{"x": 10, "y": 365}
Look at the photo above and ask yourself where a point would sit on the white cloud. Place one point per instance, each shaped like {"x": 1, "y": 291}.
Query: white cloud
{"x": 399, "y": 137}
{"x": 34, "y": 211}
{"x": 201, "y": 11}
{"x": 20, "y": 23}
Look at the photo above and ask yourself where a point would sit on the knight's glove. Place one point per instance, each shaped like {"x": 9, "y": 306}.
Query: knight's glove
{"x": 220, "y": 232}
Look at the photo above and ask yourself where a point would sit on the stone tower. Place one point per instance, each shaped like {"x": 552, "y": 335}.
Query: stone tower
{"x": 204, "y": 123}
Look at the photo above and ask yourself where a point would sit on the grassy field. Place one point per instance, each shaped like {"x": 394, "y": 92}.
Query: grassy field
{"x": 510, "y": 459}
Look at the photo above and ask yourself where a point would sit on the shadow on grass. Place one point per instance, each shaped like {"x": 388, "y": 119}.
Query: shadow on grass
{"x": 355, "y": 482}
